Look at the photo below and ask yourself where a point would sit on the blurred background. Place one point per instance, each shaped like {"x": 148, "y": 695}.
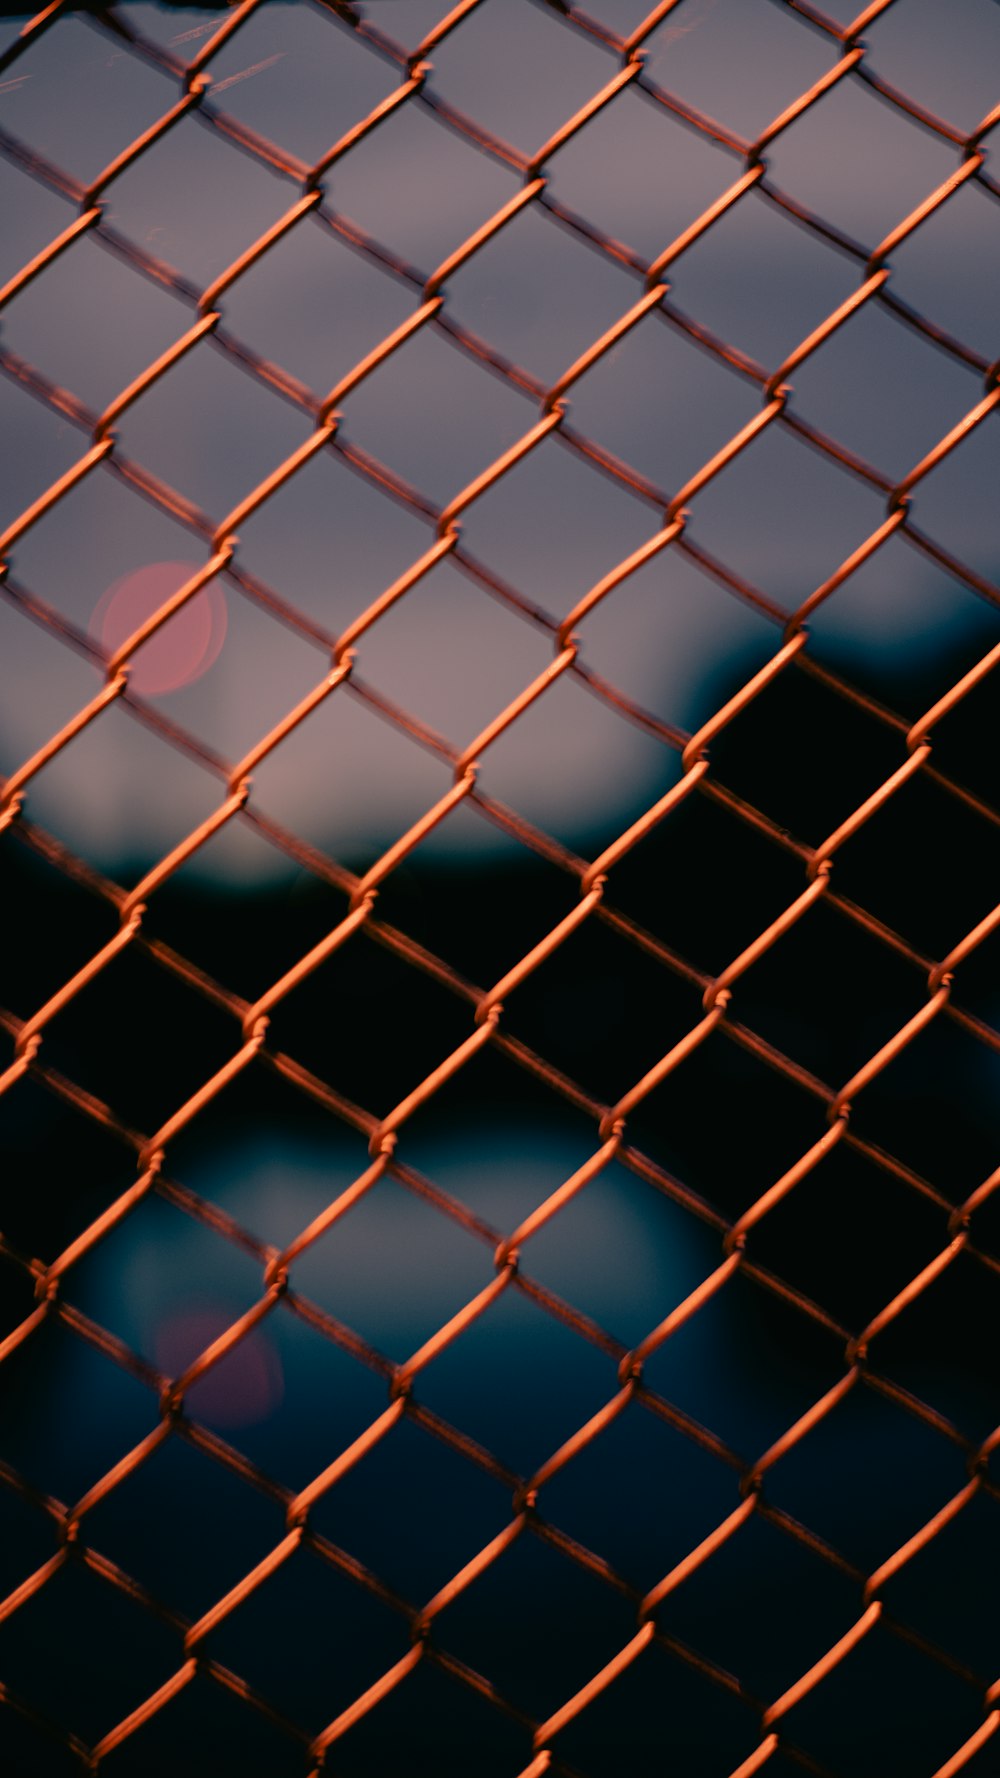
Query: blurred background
{"x": 664, "y": 651}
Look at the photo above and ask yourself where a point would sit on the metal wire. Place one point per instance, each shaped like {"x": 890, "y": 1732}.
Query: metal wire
{"x": 937, "y": 980}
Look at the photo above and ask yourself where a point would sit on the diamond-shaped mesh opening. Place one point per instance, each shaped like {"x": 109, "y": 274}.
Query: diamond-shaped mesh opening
{"x": 499, "y": 1024}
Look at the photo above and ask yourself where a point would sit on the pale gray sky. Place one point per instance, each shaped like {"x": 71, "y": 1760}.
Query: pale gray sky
{"x": 781, "y": 516}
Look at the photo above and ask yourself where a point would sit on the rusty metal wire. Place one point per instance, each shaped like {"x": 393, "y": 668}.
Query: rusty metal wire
{"x": 937, "y": 980}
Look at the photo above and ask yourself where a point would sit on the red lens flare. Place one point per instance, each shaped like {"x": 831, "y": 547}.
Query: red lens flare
{"x": 244, "y": 1388}
{"x": 188, "y": 643}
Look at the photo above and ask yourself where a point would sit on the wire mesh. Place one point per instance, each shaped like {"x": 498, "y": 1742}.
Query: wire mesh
{"x": 935, "y": 997}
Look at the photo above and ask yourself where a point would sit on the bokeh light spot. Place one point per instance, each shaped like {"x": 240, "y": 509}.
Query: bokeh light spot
{"x": 243, "y": 1388}
{"x": 188, "y": 643}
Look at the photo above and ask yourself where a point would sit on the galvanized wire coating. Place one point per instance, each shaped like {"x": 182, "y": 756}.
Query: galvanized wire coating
{"x": 714, "y": 1001}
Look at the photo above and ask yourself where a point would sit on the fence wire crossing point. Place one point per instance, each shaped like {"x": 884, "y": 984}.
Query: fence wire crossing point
{"x": 715, "y": 1000}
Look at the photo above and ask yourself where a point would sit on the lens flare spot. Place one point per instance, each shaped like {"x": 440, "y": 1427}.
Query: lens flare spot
{"x": 243, "y": 1388}
{"x": 188, "y": 643}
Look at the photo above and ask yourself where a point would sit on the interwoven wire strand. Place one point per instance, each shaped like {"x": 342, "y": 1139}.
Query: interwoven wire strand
{"x": 590, "y": 882}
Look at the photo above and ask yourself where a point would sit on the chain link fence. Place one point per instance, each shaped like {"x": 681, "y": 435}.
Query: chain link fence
{"x": 933, "y": 997}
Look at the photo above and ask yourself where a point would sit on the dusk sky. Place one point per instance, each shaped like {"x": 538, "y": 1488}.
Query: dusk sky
{"x": 669, "y": 638}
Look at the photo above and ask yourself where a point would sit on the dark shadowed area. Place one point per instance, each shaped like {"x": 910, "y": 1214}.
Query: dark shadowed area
{"x": 828, "y": 1393}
